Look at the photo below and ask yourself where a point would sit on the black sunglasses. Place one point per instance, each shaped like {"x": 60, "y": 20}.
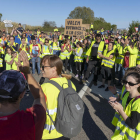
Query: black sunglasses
{"x": 129, "y": 83}
{"x": 45, "y": 66}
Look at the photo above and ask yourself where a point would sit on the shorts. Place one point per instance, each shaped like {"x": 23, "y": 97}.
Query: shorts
{"x": 106, "y": 73}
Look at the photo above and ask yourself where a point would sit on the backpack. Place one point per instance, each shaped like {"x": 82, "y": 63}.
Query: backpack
{"x": 70, "y": 111}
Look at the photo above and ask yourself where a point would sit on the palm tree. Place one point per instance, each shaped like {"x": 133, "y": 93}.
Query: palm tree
{"x": 0, "y": 16}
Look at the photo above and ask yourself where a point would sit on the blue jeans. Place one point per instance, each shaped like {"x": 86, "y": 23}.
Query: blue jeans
{"x": 34, "y": 60}
{"x": 119, "y": 69}
{"x": 57, "y": 52}
{"x": 123, "y": 71}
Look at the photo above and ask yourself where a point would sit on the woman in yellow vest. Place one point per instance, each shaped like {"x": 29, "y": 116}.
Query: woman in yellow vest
{"x": 52, "y": 68}
{"x": 108, "y": 60}
{"x": 23, "y": 46}
{"x": 128, "y": 125}
{"x": 78, "y": 59}
{"x": 119, "y": 95}
{"x": 46, "y": 49}
{"x": 65, "y": 53}
{"x": 55, "y": 46}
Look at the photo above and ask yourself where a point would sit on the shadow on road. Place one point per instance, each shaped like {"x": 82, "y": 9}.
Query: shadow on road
{"x": 103, "y": 110}
{"x": 92, "y": 131}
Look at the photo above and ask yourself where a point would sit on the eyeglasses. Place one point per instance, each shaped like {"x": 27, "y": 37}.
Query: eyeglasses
{"x": 129, "y": 83}
{"x": 45, "y": 66}
{"x": 46, "y": 42}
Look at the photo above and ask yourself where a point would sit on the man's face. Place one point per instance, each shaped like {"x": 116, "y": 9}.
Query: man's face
{"x": 15, "y": 33}
{"x": 124, "y": 34}
{"x": 34, "y": 42}
{"x": 11, "y": 39}
{"x": 23, "y": 41}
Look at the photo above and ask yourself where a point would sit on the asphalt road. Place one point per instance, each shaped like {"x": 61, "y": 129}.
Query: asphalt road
{"x": 97, "y": 117}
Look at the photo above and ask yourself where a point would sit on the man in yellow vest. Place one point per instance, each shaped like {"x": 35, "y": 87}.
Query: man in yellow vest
{"x": 91, "y": 26}
{"x": 108, "y": 60}
{"x": 96, "y": 47}
{"x": 55, "y": 29}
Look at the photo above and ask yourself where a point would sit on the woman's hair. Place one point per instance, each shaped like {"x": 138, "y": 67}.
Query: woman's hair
{"x": 10, "y": 49}
{"x": 54, "y": 61}
{"x": 135, "y": 73}
{"x": 79, "y": 43}
{"x": 131, "y": 44}
{"x": 66, "y": 40}
{"x": 12, "y": 53}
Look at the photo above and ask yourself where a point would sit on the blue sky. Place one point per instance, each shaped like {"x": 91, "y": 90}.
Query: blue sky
{"x": 35, "y": 12}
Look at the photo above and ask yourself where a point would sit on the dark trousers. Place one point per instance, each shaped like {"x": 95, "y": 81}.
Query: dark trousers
{"x": 93, "y": 64}
{"x": 78, "y": 69}
{"x": 71, "y": 62}
{"x": 65, "y": 63}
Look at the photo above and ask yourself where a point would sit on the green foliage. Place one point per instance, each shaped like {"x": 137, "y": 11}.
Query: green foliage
{"x": 132, "y": 26}
{"x": 49, "y": 26}
{"x": 101, "y": 23}
{"x": 87, "y": 15}
{"x": 0, "y": 16}
{"x": 84, "y": 13}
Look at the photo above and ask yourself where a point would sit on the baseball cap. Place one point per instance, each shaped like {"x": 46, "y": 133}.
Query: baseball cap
{"x": 13, "y": 82}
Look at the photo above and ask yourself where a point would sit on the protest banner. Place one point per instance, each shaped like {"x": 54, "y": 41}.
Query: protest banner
{"x": 73, "y": 27}
{"x": 87, "y": 26}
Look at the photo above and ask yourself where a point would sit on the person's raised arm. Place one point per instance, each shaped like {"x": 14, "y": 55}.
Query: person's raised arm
{"x": 35, "y": 89}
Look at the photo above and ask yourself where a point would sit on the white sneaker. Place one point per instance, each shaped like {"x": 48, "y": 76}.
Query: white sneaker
{"x": 76, "y": 76}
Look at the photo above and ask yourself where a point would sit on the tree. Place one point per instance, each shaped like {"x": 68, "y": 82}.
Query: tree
{"x": 84, "y": 13}
{"x": 114, "y": 27}
{"x": 0, "y": 16}
{"x": 48, "y": 24}
{"x": 132, "y": 26}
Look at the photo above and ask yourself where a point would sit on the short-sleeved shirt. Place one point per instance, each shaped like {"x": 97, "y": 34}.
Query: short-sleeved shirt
{"x": 8, "y": 58}
{"x": 23, "y": 125}
{"x": 14, "y": 66}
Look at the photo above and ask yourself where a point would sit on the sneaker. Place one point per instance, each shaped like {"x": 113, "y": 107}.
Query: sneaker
{"x": 76, "y": 75}
{"x": 94, "y": 83}
{"x": 102, "y": 86}
{"x": 107, "y": 89}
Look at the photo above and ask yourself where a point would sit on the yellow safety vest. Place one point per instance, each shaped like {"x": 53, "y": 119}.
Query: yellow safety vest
{"x": 1, "y": 60}
{"x": 102, "y": 30}
{"x": 60, "y": 37}
{"x": 24, "y": 49}
{"x": 100, "y": 49}
{"x": 84, "y": 53}
{"x": 138, "y": 58}
{"x": 14, "y": 44}
{"x": 133, "y": 55}
{"x": 51, "y": 92}
{"x": 31, "y": 46}
{"x": 46, "y": 52}
{"x": 125, "y": 37}
{"x": 91, "y": 26}
{"x": 55, "y": 30}
{"x": 78, "y": 58}
{"x": 116, "y": 116}
{"x": 65, "y": 54}
{"x": 42, "y": 40}
{"x": 38, "y": 33}
{"x": 120, "y": 57}
{"x": 123, "y": 131}
{"x": 106, "y": 62}
{"x": 55, "y": 47}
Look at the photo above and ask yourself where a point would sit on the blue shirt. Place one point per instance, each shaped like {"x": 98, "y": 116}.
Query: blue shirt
{"x": 17, "y": 39}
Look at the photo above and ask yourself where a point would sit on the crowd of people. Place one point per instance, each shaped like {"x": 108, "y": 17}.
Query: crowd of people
{"x": 54, "y": 54}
